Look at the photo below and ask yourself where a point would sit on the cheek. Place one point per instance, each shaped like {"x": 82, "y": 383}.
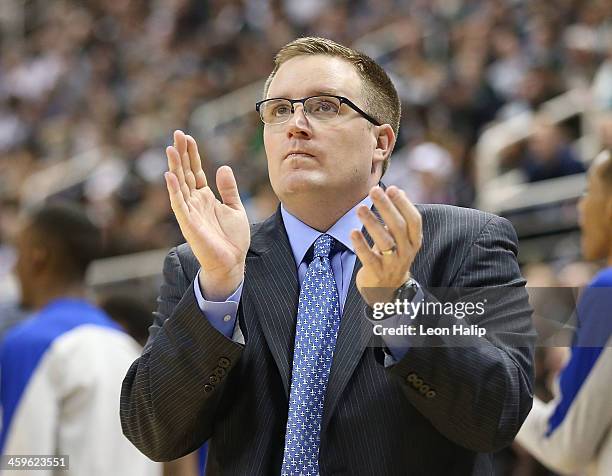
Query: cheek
{"x": 357, "y": 151}
{"x": 268, "y": 143}
{"x": 587, "y": 210}
{"x": 593, "y": 232}
{"x": 271, "y": 150}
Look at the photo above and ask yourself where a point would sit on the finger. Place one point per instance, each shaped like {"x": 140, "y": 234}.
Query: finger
{"x": 228, "y": 189}
{"x": 382, "y": 238}
{"x": 174, "y": 165}
{"x": 196, "y": 163}
{"x": 180, "y": 143}
{"x": 177, "y": 201}
{"x": 363, "y": 251}
{"x": 411, "y": 215}
{"x": 189, "y": 174}
{"x": 391, "y": 216}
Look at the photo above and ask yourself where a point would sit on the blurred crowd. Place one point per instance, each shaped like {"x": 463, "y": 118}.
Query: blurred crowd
{"x": 118, "y": 77}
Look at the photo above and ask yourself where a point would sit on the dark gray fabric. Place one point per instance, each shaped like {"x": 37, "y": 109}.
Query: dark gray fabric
{"x": 192, "y": 384}
{"x": 10, "y": 315}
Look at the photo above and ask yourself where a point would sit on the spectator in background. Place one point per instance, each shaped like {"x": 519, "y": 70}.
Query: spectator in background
{"x": 605, "y": 129}
{"x": 548, "y": 156}
{"x": 573, "y": 432}
{"x": 61, "y": 370}
{"x": 83, "y": 76}
{"x": 426, "y": 173}
{"x": 602, "y": 83}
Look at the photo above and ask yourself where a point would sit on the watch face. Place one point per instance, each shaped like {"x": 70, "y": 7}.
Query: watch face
{"x": 409, "y": 287}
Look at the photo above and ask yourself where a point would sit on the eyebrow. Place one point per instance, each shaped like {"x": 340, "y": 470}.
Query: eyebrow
{"x": 316, "y": 92}
{"x": 331, "y": 91}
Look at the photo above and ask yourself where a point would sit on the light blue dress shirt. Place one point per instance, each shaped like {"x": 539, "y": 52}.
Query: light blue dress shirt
{"x": 222, "y": 315}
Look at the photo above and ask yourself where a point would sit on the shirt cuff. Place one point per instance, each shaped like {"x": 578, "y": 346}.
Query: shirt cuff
{"x": 220, "y": 314}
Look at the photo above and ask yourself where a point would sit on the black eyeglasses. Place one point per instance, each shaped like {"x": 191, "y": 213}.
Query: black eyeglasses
{"x": 321, "y": 108}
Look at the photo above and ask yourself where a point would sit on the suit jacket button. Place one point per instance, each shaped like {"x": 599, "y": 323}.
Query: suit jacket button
{"x": 224, "y": 362}
{"x": 219, "y": 372}
{"x": 431, "y": 394}
{"x": 411, "y": 377}
{"x": 208, "y": 388}
{"x": 213, "y": 379}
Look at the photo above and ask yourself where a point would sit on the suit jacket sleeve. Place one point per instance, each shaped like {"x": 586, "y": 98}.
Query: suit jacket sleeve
{"x": 171, "y": 392}
{"x": 478, "y": 390}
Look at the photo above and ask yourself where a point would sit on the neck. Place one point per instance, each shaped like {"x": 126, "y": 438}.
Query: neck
{"x": 320, "y": 209}
{"x": 49, "y": 292}
{"x": 321, "y": 214}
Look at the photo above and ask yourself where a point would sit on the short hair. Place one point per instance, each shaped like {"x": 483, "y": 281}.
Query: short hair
{"x": 380, "y": 95}
{"x": 74, "y": 239}
{"x": 130, "y": 312}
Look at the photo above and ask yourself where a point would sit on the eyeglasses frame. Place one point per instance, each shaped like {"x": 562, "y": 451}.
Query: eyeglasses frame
{"x": 342, "y": 100}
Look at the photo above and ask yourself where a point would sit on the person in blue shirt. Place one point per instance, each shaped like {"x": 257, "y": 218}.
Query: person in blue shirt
{"x": 573, "y": 432}
{"x": 61, "y": 369}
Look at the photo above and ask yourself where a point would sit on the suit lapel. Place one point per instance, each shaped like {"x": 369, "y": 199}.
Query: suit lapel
{"x": 353, "y": 336}
{"x": 272, "y": 287}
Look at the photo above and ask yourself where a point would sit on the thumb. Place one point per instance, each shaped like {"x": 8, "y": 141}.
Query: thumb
{"x": 226, "y": 184}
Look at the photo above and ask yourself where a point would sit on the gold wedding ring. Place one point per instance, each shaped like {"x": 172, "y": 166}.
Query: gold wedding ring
{"x": 390, "y": 251}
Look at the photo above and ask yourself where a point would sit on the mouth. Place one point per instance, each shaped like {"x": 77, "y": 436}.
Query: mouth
{"x": 298, "y": 155}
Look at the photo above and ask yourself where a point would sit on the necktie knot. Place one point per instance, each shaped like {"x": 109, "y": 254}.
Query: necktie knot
{"x": 322, "y": 246}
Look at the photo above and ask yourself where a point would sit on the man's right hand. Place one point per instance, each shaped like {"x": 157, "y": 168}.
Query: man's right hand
{"x": 218, "y": 232}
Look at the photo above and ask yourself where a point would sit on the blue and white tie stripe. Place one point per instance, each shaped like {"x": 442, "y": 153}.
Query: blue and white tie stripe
{"x": 318, "y": 320}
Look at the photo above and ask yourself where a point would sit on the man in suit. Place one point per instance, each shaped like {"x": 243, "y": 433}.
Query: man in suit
{"x": 263, "y": 341}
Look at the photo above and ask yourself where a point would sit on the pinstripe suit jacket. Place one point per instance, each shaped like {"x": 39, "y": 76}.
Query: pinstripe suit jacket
{"x": 192, "y": 384}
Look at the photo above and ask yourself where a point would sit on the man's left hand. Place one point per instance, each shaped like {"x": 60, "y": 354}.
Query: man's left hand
{"x": 386, "y": 265}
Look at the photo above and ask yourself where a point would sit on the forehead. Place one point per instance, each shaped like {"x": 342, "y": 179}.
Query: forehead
{"x": 307, "y": 75}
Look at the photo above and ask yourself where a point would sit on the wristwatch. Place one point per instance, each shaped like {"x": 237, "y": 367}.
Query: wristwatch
{"x": 408, "y": 290}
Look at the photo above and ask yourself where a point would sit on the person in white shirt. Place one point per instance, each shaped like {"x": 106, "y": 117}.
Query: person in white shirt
{"x": 61, "y": 369}
{"x": 573, "y": 432}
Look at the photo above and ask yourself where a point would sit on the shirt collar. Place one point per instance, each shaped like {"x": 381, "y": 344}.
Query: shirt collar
{"x": 302, "y": 236}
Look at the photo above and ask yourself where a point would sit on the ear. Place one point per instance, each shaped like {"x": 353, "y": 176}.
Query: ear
{"x": 385, "y": 141}
{"x": 40, "y": 258}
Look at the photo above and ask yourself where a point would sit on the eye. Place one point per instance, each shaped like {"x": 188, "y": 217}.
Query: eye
{"x": 281, "y": 110}
{"x": 324, "y": 106}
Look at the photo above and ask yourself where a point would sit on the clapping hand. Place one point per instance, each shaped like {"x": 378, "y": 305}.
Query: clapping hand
{"x": 217, "y": 231}
{"x": 386, "y": 265}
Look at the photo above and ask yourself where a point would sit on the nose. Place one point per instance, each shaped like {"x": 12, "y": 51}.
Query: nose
{"x": 298, "y": 123}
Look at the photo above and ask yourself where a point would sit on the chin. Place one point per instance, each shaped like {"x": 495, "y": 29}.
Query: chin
{"x": 301, "y": 181}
